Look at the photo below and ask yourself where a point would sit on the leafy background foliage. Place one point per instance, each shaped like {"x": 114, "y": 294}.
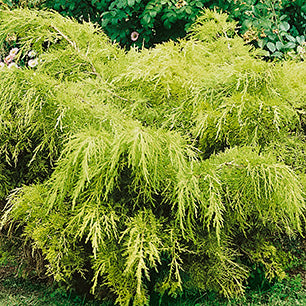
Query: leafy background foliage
{"x": 171, "y": 169}
{"x": 275, "y": 26}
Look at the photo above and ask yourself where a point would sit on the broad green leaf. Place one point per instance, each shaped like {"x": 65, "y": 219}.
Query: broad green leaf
{"x": 290, "y": 45}
{"x": 279, "y": 45}
{"x": 271, "y": 46}
{"x": 291, "y": 38}
{"x": 261, "y": 43}
{"x": 131, "y": 2}
{"x": 284, "y": 26}
{"x": 300, "y": 39}
{"x": 277, "y": 54}
{"x": 146, "y": 18}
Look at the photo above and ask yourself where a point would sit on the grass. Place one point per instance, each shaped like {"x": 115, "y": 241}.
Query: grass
{"x": 20, "y": 292}
{"x": 16, "y": 291}
{"x": 290, "y": 292}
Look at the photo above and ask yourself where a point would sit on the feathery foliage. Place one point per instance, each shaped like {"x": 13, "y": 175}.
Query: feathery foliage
{"x": 166, "y": 169}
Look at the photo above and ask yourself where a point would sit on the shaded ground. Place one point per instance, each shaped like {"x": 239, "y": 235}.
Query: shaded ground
{"x": 15, "y": 291}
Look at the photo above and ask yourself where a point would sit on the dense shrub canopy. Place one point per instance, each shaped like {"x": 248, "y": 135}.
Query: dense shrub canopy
{"x": 162, "y": 169}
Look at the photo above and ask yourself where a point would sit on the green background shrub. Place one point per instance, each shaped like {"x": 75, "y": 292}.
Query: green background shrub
{"x": 276, "y": 26}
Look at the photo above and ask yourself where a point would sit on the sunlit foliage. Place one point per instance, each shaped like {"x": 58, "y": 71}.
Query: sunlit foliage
{"x": 160, "y": 169}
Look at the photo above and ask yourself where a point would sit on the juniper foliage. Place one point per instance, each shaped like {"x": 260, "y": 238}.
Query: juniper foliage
{"x": 166, "y": 169}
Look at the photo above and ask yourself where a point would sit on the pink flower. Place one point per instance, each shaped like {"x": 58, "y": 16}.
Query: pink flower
{"x": 14, "y": 52}
{"x": 134, "y": 36}
{"x": 8, "y": 59}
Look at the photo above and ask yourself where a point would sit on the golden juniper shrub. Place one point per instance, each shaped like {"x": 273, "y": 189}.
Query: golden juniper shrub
{"x": 149, "y": 168}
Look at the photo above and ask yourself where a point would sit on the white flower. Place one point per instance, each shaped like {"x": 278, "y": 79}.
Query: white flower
{"x": 33, "y": 62}
{"x": 31, "y": 53}
{"x": 13, "y": 65}
{"x": 13, "y": 52}
{"x": 2, "y": 65}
